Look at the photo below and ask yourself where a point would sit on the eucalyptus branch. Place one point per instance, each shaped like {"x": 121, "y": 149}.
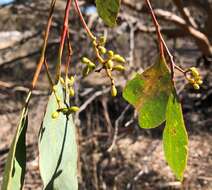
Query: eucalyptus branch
{"x": 43, "y": 52}
{"x": 63, "y": 37}
{"x": 162, "y": 43}
{"x": 77, "y": 8}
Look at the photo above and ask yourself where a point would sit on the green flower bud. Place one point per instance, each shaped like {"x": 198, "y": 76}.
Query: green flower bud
{"x": 71, "y": 92}
{"x": 118, "y": 68}
{"x": 91, "y": 65}
{"x": 199, "y": 81}
{"x": 113, "y": 91}
{"x": 74, "y": 109}
{"x": 194, "y": 72}
{"x": 119, "y": 58}
{"x": 85, "y": 60}
{"x": 109, "y": 64}
{"x": 196, "y": 86}
{"x": 102, "y": 49}
{"x": 55, "y": 115}
{"x": 110, "y": 54}
{"x": 191, "y": 81}
{"x": 71, "y": 80}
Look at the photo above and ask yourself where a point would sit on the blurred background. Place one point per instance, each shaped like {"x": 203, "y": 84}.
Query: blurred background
{"x": 115, "y": 154}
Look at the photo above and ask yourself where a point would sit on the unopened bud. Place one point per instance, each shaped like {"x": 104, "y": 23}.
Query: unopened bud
{"x": 119, "y": 58}
{"x": 109, "y": 64}
{"x": 55, "y": 115}
{"x": 113, "y": 91}
{"x": 196, "y": 86}
{"x": 118, "y": 68}
{"x": 102, "y": 49}
{"x": 110, "y": 54}
{"x": 91, "y": 65}
{"x": 191, "y": 81}
{"x": 194, "y": 72}
{"x": 199, "y": 81}
{"x": 71, "y": 92}
{"x": 85, "y": 60}
{"x": 71, "y": 80}
{"x": 74, "y": 109}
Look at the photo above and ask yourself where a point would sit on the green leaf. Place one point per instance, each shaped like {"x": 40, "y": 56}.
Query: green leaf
{"x": 108, "y": 10}
{"x": 58, "y": 148}
{"x": 148, "y": 93}
{"x": 175, "y": 139}
{"x": 16, "y": 161}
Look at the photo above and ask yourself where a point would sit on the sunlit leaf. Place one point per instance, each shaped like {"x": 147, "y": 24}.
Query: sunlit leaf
{"x": 58, "y": 148}
{"x": 16, "y": 161}
{"x": 148, "y": 93}
{"x": 108, "y": 10}
{"x": 175, "y": 139}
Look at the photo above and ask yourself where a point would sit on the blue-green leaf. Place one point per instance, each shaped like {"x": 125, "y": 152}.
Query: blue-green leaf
{"x": 58, "y": 148}
{"x": 175, "y": 139}
{"x": 16, "y": 161}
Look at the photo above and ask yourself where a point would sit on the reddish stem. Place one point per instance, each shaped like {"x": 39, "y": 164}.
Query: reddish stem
{"x": 162, "y": 43}
{"x": 68, "y": 61}
{"x": 157, "y": 26}
{"x": 42, "y": 57}
{"x": 77, "y": 8}
{"x": 63, "y": 37}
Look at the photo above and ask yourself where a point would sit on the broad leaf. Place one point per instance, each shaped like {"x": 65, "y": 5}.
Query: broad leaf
{"x": 175, "y": 139}
{"x": 148, "y": 93}
{"x": 16, "y": 161}
{"x": 108, "y": 10}
{"x": 58, "y": 148}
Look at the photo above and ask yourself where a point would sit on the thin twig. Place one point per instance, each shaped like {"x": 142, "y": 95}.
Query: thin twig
{"x": 42, "y": 57}
{"x": 120, "y": 118}
{"x": 157, "y": 26}
{"x": 161, "y": 40}
{"x": 77, "y": 8}
{"x": 63, "y": 37}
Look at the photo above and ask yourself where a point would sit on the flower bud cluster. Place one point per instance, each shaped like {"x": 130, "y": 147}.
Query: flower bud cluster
{"x": 107, "y": 59}
{"x": 65, "y": 110}
{"x": 194, "y": 78}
